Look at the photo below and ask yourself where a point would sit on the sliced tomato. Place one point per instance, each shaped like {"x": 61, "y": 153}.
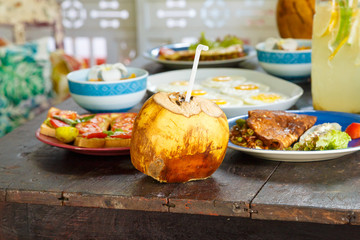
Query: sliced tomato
{"x": 353, "y": 130}
{"x": 57, "y": 123}
{"x": 94, "y": 135}
{"x": 88, "y": 127}
{"x": 166, "y": 51}
{"x": 120, "y": 134}
{"x": 97, "y": 120}
{"x": 123, "y": 126}
{"x": 65, "y": 114}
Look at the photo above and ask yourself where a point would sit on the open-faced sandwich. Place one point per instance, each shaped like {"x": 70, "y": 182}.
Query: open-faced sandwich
{"x": 221, "y": 49}
{"x": 90, "y": 130}
{"x": 280, "y": 130}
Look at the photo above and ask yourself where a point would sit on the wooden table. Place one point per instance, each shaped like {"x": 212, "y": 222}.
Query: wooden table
{"x": 52, "y": 193}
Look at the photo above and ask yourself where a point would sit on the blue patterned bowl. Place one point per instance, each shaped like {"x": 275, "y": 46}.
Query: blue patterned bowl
{"x": 119, "y": 96}
{"x": 290, "y": 65}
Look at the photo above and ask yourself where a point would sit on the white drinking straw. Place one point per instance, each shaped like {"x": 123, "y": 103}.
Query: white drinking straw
{"x": 199, "y": 48}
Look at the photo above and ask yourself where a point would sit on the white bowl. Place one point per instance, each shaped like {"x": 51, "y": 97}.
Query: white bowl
{"x": 290, "y": 65}
{"x": 117, "y": 96}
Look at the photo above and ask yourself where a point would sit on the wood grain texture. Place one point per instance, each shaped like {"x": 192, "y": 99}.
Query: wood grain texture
{"x": 26, "y": 221}
{"x": 326, "y": 192}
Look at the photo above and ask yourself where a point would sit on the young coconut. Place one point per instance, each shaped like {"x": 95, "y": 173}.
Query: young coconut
{"x": 178, "y": 141}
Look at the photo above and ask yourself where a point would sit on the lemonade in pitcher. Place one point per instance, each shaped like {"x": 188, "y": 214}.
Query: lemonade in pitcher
{"x": 335, "y": 76}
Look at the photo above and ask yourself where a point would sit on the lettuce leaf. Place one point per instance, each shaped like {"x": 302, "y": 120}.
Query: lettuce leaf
{"x": 333, "y": 139}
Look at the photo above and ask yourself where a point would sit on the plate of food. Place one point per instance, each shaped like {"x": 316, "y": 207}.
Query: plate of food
{"x": 295, "y": 136}
{"x": 236, "y": 91}
{"x": 226, "y": 52}
{"x": 92, "y": 134}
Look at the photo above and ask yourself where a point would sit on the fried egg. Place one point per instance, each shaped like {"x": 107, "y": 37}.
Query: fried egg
{"x": 244, "y": 89}
{"x": 222, "y": 81}
{"x": 264, "y": 98}
{"x": 176, "y": 86}
{"x": 224, "y": 101}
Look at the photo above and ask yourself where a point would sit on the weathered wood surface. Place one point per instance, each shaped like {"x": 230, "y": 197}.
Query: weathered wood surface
{"x": 27, "y": 221}
{"x": 35, "y": 173}
{"x": 46, "y": 185}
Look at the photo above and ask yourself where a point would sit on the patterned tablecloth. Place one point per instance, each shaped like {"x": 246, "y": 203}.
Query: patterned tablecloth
{"x": 25, "y": 83}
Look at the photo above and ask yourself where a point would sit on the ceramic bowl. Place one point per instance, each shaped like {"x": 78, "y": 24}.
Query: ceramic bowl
{"x": 115, "y": 96}
{"x": 290, "y": 65}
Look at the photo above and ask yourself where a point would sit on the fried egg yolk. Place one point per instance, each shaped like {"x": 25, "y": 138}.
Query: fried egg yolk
{"x": 221, "y": 79}
{"x": 198, "y": 92}
{"x": 263, "y": 98}
{"x": 219, "y": 101}
{"x": 246, "y": 87}
{"x": 180, "y": 83}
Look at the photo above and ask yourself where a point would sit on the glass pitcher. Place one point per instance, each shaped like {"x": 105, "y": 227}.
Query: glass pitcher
{"x": 335, "y": 76}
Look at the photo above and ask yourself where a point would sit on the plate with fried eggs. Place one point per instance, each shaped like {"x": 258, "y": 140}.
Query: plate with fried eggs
{"x": 236, "y": 91}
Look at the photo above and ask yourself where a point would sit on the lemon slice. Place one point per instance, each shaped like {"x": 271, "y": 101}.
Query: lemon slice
{"x": 338, "y": 48}
{"x": 326, "y": 22}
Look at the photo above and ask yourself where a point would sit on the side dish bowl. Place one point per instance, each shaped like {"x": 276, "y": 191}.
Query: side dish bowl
{"x": 101, "y": 96}
{"x": 291, "y": 65}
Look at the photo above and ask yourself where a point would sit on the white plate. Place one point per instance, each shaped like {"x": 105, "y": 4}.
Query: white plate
{"x": 278, "y": 85}
{"x": 344, "y": 119}
{"x": 153, "y": 55}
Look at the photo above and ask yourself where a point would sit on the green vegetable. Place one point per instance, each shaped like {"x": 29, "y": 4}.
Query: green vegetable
{"x": 85, "y": 119}
{"x": 229, "y": 41}
{"x": 71, "y": 122}
{"x": 240, "y": 122}
{"x": 323, "y": 139}
{"x": 224, "y": 43}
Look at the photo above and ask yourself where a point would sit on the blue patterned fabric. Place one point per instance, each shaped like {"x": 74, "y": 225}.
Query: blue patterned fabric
{"x": 25, "y": 84}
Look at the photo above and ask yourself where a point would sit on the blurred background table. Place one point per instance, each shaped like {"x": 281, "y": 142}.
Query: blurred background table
{"x": 51, "y": 193}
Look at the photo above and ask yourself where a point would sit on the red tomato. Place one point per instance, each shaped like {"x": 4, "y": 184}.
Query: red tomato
{"x": 120, "y": 134}
{"x": 124, "y": 122}
{"x": 123, "y": 126}
{"x": 97, "y": 120}
{"x": 166, "y": 51}
{"x": 88, "y": 127}
{"x": 57, "y": 123}
{"x": 353, "y": 130}
{"x": 65, "y": 114}
{"x": 95, "y": 135}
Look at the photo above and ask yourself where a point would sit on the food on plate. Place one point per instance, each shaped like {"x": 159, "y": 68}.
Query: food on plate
{"x": 89, "y": 130}
{"x": 176, "y": 86}
{"x": 223, "y": 81}
{"x": 244, "y": 89}
{"x": 287, "y": 44}
{"x": 227, "y": 91}
{"x": 229, "y": 47}
{"x": 66, "y": 134}
{"x": 178, "y": 141}
{"x": 264, "y": 98}
{"x": 326, "y": 136}
{"x": 109, "y": 72}
{"x": 353, "y": 130}
{"x": 266, "y": 129}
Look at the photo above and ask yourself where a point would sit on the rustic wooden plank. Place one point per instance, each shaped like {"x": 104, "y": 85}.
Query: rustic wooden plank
{"x": 2, "y": 195}
{"x": 13, "y": 221}
{"x": 34, "y": 197}
{"x": 228, "y": 191}
{"x": 326, "y": 192}
{"x": 115, "y": 202}
{"x": 26, "y": 221}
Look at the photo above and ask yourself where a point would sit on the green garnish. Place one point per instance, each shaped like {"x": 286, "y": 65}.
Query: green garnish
{"x": 65, "y": 120}
{"x": 71, "y": 122}
{"x": 228, "y": 41}
{"x": 85, "y": 119}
